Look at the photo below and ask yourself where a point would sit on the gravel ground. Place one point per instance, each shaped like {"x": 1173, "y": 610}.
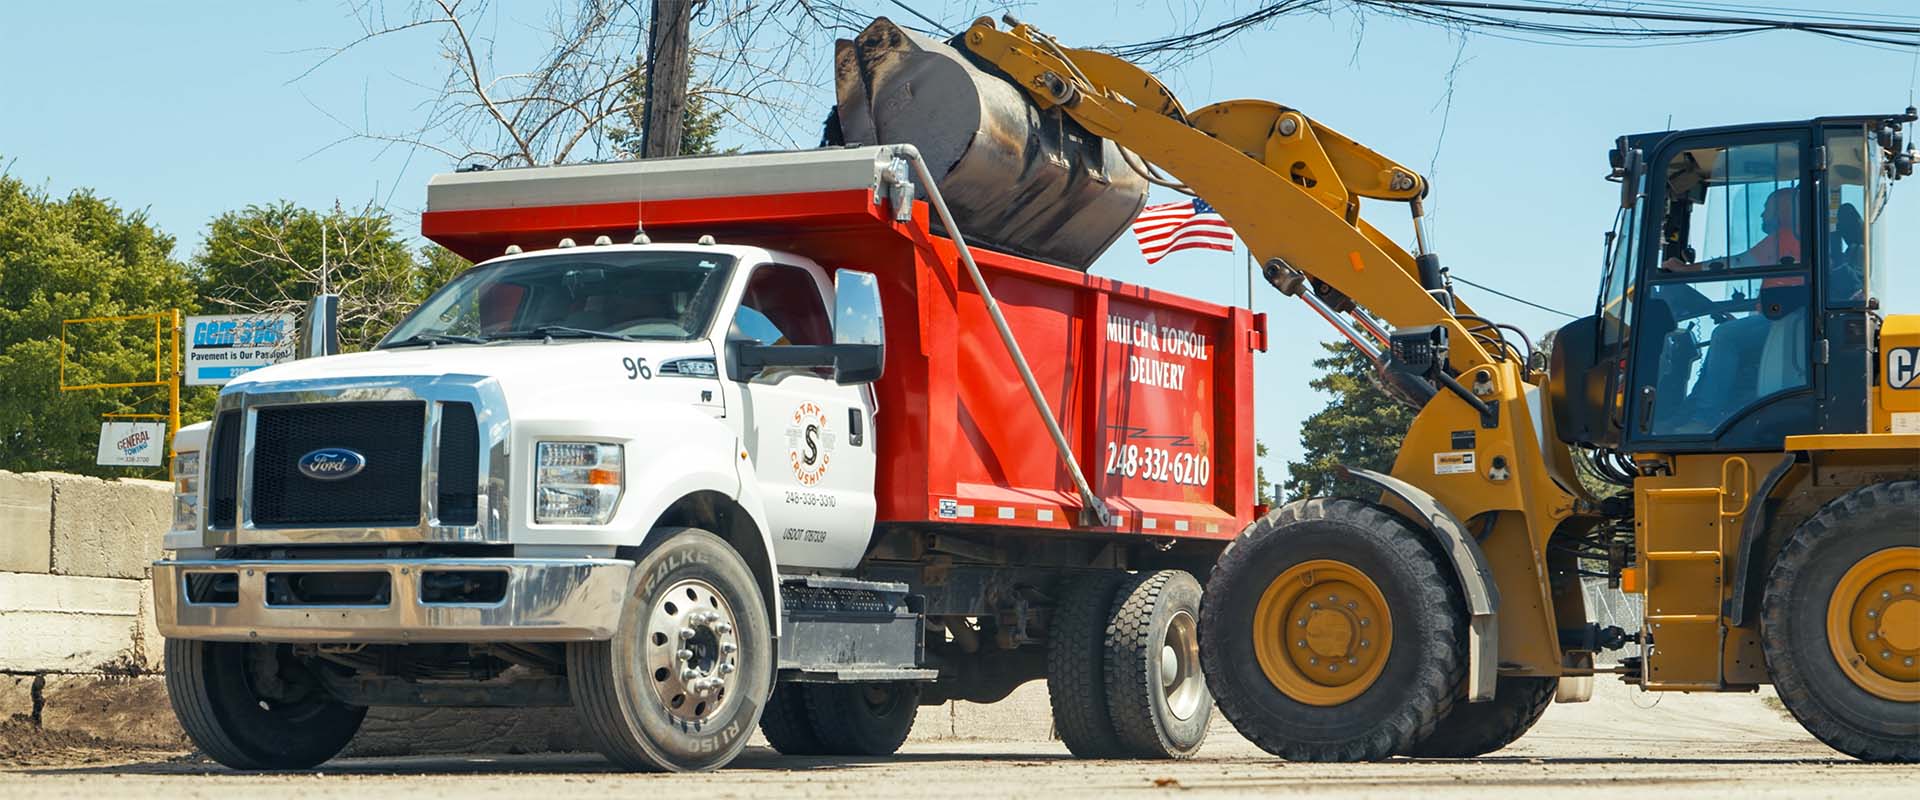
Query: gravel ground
{"x": 1623, "y": 741}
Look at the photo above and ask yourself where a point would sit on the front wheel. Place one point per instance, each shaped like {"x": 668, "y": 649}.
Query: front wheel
{"x": 1332, "y": 633}
{"x": 1840, "y": 623}
{"x": 681, "y": 684}
{"x": 254, "y": 706}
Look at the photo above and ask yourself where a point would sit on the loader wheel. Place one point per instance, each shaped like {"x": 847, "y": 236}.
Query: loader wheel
{"x": 1076, "y": 678}
{"x": 1156, "y": 695}
{"x": 251, "y": 706}
{"x": 1840, "y": 623}
{"x": 1476, "y": 729}
{"x": 1332, "y": 633}
{"x": 681, "y": 684}
{"x": 862, "y": 719}
{"x": 788, "y": 725}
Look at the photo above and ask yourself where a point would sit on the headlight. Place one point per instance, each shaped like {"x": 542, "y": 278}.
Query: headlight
{"x": 577, "y": 483}
{"x": 186, "y": 491}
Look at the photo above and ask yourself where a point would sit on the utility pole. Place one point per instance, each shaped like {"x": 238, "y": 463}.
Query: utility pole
{"x": 668, "y": 68}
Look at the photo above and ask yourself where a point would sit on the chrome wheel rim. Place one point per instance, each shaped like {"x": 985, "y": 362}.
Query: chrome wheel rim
{"x": 693, "y": 651}
{"x": 1181, "y": 683}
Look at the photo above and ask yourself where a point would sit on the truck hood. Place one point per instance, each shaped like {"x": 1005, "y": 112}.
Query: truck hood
{"x": 539, "y": 379}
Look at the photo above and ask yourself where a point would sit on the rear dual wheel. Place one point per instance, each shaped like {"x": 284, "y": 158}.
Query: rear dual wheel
{"x": 1123, "y": 666}
{"x": 1333, "y": 633}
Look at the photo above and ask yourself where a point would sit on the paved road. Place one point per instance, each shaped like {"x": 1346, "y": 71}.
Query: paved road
{"x": 1683, "y": 746}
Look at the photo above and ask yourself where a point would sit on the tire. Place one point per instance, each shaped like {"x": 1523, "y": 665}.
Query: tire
{"x": 1873, "y": 522}
{"x": 1076, "y": 678}
{"x": 688, "y": 587}
{"x": 862, "y": 719}
{"x": 1388, "y": 701}
{"x": 1156, "y": 694}
{"x": 211, "y": 687}
{"x": 787, "y": 724}
{"x": 1476, "y": 729}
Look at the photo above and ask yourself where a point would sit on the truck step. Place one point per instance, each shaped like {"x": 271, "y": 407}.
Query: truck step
{"x": 847, "y": 630}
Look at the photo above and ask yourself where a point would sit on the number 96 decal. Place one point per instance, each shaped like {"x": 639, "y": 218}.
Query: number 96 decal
{"x": 1155, "y": 464}
{"x": 637, "y": 368}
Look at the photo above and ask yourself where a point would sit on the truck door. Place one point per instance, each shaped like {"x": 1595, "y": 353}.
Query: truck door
{"x": 809, "y": 438}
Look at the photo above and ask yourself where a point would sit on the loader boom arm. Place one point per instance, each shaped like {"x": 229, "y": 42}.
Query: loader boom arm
{"x": 1288, "y": 186}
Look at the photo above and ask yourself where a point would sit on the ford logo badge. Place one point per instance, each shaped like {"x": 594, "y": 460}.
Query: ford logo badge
{"x": 332, "y": 464}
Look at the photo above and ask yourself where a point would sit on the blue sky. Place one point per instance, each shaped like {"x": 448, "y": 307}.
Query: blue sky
{"x": 188, "y": 110}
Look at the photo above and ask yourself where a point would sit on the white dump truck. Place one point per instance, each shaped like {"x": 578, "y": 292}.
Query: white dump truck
{"x": 781, "y": 461}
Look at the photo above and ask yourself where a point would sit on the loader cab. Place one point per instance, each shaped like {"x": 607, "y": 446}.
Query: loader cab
{"x": 1740, "y": 293}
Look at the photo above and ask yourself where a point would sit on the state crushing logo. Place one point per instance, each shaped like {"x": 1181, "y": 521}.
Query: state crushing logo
{"x": 809, "y": 444}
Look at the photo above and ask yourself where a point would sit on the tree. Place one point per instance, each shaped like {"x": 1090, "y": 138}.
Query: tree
{"x": 1262, "y": 490}
{"x": 699, "y": 132}
{"x": 70, "y": 258}
{"x": 1359, "y": 427}
{"x": 272, "y": 259}
{"x": 563, "y": 105}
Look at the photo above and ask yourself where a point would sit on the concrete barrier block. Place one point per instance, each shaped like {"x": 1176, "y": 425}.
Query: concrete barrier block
{"x": 148, "y": 645}
{"x": 59, "y": 623}
{"x": 108, "y": 529}
{"x": 113, "y": 708}
{"x": 26, "y": 523}
{"x": 16, "y": 696}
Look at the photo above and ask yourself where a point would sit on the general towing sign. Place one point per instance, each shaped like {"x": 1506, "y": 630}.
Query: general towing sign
{"x": 131, "y": 444}
{"x": 226, "y": 346}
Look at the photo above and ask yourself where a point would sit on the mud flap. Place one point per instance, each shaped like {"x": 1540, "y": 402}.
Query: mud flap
{"x": 1469, "y": 565}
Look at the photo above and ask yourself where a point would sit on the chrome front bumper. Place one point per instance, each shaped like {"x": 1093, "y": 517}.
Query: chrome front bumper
{"x": 545, "y": 600}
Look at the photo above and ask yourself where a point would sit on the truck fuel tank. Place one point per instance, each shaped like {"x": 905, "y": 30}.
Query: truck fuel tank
{"x": 1017, "y": 178}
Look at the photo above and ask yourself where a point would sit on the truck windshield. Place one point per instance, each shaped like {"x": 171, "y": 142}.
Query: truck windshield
{"x": 651, "y": 295}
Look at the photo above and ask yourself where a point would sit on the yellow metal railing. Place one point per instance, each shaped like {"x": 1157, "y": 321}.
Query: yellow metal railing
{"x": 166, "y": 366}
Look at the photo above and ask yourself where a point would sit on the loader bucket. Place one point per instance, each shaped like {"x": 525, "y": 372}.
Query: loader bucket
{"x": 1016, "y": 178}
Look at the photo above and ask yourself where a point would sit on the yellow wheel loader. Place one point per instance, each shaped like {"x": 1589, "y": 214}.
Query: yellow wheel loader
{"x": 1750, "y": 412}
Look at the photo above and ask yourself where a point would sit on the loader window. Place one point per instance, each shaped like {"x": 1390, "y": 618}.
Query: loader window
{"x": 1728, "y": 344}
{"x": 1851, "y": 166}
{"x": 1734, "y": 207}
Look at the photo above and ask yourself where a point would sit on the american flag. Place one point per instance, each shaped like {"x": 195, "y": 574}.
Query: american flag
{"x": 1186, "y": 225}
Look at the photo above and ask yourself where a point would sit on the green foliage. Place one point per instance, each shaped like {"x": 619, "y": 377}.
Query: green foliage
{"x": 1359, "y": 427}
{"x": 274, "y": 258}
{"x": 700, "y": 128}
{"x": 69, "y": 258}
{"x": 1263, "y": 491}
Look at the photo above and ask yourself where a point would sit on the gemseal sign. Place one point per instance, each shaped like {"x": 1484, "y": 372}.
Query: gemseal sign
{"x": 226, "y": 346}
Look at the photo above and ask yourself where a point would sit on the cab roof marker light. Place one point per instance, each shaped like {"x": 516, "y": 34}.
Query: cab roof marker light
{"x": 566, "y": 242}
{"x": 642, "y": 238}
{"x": 513, "y": 250}
{"x": 706, "y": 238}
{"x": 602, "y": 240}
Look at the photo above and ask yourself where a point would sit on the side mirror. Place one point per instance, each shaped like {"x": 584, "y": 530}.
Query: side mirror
{"x": 859, "y": 328}
{"x": 321, "y": 335}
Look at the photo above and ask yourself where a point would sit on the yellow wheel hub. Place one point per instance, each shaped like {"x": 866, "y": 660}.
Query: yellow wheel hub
{"x": 1322, "y": 632}
{"x": 1873, "y": 623}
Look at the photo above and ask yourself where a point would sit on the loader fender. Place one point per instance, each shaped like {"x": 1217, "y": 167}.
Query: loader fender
{"x": 1469, "y": 565}
{"x": 1750, "y": 574}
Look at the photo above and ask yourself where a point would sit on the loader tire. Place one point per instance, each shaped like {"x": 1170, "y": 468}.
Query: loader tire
{"x": 1333, "y": 632}
{"x": 219, "y": 693}
{"x": 1840, "y": 623}
{"x": 693, "y": 616}
{"x": 1076, "y": 676}
{"x": 862, "y": 719}
{"x": 787, "y": 723}
{"x": 1476, "y": 729}
{"x": 1156, "y": 694}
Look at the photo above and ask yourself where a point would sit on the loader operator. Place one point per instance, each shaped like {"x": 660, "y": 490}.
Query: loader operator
{"x": 1734, "y": 373}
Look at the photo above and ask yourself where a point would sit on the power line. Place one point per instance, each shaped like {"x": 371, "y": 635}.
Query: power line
{"x": 1521, "y": 300}
{"x": 923, "y": 18}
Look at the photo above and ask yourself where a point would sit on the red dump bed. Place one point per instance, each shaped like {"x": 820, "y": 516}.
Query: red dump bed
{"x": 1155, "y": 390}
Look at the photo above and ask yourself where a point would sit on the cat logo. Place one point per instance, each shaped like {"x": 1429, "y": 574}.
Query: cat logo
{"x": 1903, "y": 368}
{"x": 809, "y": 444}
